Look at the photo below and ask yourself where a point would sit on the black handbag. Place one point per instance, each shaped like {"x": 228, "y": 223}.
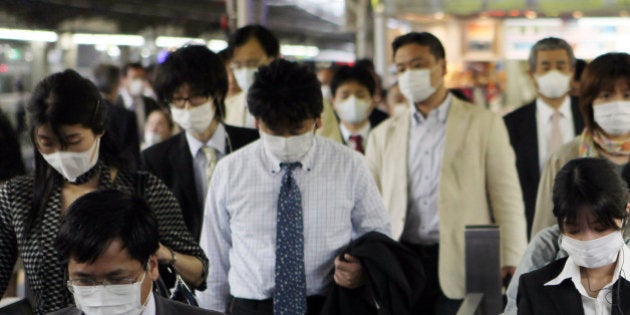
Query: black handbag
{"x": 169, "y": 285}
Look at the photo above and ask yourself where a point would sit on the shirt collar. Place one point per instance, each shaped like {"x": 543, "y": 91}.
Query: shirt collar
{"x": 441, "y": 111}
{"x": 363, "y": 132}
{"x": 572, "y": 271}
{"x": 273, "y": 163}
{"x": 127, "y": 98}
{"x": 151, "y": 308}
{"x": 546, "y": 111}
{"x": 217, "y": 141}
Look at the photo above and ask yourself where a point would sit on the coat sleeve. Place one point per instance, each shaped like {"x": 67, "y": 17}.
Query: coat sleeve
{"x": 523, "y": 300}
{"x": 173, "y": 231}
{"x": 543, "y": 215}
{"x": 374, "y": 157}
{"x": 506, "y": 200}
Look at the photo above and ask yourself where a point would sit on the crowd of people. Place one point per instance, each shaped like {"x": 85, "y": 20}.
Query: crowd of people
{"x": 269, "y": 189}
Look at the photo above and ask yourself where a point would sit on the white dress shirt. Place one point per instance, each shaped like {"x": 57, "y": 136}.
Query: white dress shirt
{"x": 151, "y": 308}
{"x": 544, "y": 113}
{"x": 602, "y": 304}
{"x": 340, "y": 202}
{"x": 217, "y": 142}
{"x": 424, "y": 163}
{"x": 363, "y": 132}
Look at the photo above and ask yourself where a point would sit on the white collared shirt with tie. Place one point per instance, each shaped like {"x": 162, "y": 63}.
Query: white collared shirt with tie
{"x": 340, "y": 202}
{"x": 217, "y": 142}
{"x": 544, "y": 115}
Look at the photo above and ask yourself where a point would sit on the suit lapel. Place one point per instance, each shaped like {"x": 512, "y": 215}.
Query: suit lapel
{"x": 565, "y": 298}
{"x": 578, "y": 123}
{"x": 182, "y": 163}
{"x": 456, "y": 126}
{"x": 624, "y": 291}
{"x": 530, "y": 142}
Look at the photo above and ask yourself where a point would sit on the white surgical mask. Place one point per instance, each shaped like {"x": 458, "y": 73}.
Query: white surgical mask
{"x": 353, "y": 110}
{"x": 136, "y": 87}
{"x": 415, "y": 84}
{"x": 594, "y": 253}
{"x": 195, "y": 119}
{"x": 553, "y": 84}
{"x": 111, "y": 300}
{"x": 71, "y": 165}
{"x": 288, "y": 149}
{"x": 151, "y": 138}
{"x": 245, "y": 77}
{"x": 613, "y": 117}
{"x": 399, "y": 108}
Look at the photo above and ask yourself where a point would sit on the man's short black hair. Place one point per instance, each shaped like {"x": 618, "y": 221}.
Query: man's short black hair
{"x": 106, "y": 78}
{"x": 267, "y": 40}
{"x": 131, "y": 65}
{"x": 590, "y": 184}
{"x": 357, "y": 74}
{"x": 423, "y": 39}
{"x": 96, "y": 219}
{"x": 197, "y": 66}
{"x": 284, "y": 94}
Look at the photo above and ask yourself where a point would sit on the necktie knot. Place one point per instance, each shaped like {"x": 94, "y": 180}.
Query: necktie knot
{"x": 290, "y": 166}
{"x": 357, "y": 142}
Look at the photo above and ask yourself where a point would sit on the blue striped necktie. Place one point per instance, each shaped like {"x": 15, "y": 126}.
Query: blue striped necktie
{"x": 290, "y": 294}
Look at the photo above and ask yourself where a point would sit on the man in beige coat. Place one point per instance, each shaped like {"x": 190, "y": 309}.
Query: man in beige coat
{"x": 442, "y": 165}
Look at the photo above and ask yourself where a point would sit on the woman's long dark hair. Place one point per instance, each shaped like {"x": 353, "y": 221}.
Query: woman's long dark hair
{"x": 65, "y": 98}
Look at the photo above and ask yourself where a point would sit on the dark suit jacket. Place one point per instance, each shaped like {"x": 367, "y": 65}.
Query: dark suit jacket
{"x": 536, "y": 298}
{"x": 149, "y": 104}
{"x": 162, "y": 305}
{"x": 395, "y": 279}
{"x": 523, "y": 132}
{"x": 11, "y": 163}
{"x": 171, "y": 161}
{"x": 121, "y": 122}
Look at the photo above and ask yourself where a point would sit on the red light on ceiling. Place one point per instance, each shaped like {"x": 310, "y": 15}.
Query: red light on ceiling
{"x": 495, "y": 13}
{"x": 3, "y": 68}
{"x": 515, "y": 13}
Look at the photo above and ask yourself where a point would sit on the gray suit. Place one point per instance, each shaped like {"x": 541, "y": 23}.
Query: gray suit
{"x": 163, "y": 307}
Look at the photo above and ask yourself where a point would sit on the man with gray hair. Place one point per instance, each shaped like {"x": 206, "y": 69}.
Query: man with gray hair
{"x": 539, "y": 128}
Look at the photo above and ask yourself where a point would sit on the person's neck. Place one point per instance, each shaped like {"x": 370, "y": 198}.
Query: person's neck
{"x": 555, "y": 103}
{"x": 434, "y": 101}
{"x": 353, "y": 128}
{"x": 206, "y": 134}
{"x": 597, "y": 278}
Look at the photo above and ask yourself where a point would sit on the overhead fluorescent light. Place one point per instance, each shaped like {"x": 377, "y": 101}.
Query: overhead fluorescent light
{"x": 217, "y": 45}
{"x": 169, "y": 41}
{"x": 299, "y": 51}
{"x": 28, "y": 35}
{"x": 108, "y": 39}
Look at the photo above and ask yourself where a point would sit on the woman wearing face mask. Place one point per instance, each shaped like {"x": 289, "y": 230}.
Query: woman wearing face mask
{"x": 74, "y": 155}
{"x": 605, "y": 107}
{"x": 591, "y": 207}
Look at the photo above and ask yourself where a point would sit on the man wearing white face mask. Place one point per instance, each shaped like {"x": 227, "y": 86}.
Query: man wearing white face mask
{"x": 540, "y": 127}
{"x": 279, "y": 210}
{"x": 109, "y": 239}
{"x": 193, "y": 81}
{"x": 253, "y": 46}
{"x": 441, "y": 165}
{"x": 352, "y": 98}
{"x": 131, "y": 94}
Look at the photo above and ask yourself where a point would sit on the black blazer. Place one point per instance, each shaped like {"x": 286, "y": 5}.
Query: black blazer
{"x": 171, "y": 161}
{"x": 162, "y": 307}
{"x": 523, "y": 132}
{"x": 536, "y": 298}
{"x": 395, "y": 279}
{"x": 11, "y": 163}
{"x": 122, "y": 124}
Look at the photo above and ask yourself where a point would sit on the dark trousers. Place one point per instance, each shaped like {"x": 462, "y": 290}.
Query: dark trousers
{"x": 433, "y": 301}
{"x": 265, "y": 307}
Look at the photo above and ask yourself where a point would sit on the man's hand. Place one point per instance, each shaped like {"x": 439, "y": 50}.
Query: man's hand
{"x": 349, "y": 273}
{"x": 506, "y": 273}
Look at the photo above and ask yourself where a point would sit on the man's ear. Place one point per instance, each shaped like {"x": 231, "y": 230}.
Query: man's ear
{"x": 154, "y": 272}
{"x": 318, "y": 122}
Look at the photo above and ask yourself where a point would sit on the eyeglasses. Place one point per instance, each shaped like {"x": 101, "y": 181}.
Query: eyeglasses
{"x": 193, "y": 100}
{"x": 91, "y": 283}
